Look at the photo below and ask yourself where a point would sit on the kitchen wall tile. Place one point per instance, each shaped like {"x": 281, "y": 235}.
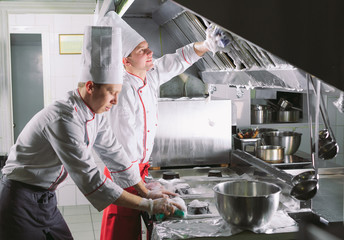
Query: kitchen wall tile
{"x": 62, "y": 23}
{"x": 63, "y": 66}
{"x": 97, "y": 217}
{"x": 94, "y": 210}
{"x": 80, "y": 218}
{"x": 79, "y": 23}
{"x": 12, "y": 20}
{"x": 67, "y": 195}
{"x": 96, "y": 235}
{"x": 54, "y": 44}
{"x": 76, "y": 210}
{"x": 80, "y": 198}
{"x": 25, "y": 19}
{"x": 44, "y": 19}
{"x": 97, "y": 224}
{"x": 81, "y": 230}
{"x": 63, "y": 85}
{"x": 84, "y": 235}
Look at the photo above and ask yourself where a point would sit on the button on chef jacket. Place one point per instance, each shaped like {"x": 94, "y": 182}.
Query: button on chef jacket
{"x": 136, "y": 111}
{"x": 58, "y": 140}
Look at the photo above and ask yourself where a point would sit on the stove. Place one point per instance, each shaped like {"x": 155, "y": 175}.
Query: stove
{"x": 195, "y": 187}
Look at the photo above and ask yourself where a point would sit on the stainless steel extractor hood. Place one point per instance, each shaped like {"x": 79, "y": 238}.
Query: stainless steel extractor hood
{"x": 309, "y": 34}
{"x": 242, "y": 64}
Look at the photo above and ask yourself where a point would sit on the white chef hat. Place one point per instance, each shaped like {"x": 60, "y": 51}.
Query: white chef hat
{"x": 130, "y": 38}
{"x": 102, "y": 55}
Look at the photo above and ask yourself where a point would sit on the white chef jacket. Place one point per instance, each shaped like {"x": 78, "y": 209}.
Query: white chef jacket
{"x": 58, "y": 140}
{"x": 136, "y": 112}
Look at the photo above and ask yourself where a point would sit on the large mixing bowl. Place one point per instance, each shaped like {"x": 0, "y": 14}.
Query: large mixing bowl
{"x": 247, "y": 204}
{"x": 289, "y": 140}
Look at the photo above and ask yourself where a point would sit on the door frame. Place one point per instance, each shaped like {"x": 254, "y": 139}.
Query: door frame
{"x": 23, "y": 7}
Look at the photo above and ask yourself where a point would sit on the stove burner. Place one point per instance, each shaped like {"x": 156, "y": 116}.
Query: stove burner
{"x": 197, "y": 207}
{"x": 182, "y": 188}
{"x": 170, "y": 175}
{"x": 214, "y": 173}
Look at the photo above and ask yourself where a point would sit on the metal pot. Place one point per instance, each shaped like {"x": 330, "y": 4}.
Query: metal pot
{"x": 271, "y": 154}
{"x": 261, "y": 114}
{"x": 247, "y": 204}
{"x": 288, "y": 116}
{"x": 289, "y": 140}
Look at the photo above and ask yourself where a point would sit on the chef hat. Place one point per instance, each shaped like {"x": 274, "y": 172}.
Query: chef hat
{"x": 102, "y": 55}
{"x": 130, "y": 38}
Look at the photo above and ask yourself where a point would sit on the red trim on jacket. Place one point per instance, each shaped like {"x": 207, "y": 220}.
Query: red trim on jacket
{"x": 123, "y": 169}
{"x": 184, "y": 56}
{"x": 145, "y": 126}
{"x": 87, "y": 194}
{"x": 144, "y": 118}
{"x": 87, "y": 121}
{"x": 54, "y": 185}
{"x": 135, "y": 76}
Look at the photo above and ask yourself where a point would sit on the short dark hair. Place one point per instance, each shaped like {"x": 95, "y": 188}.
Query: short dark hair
{"x": 82, "y": 84}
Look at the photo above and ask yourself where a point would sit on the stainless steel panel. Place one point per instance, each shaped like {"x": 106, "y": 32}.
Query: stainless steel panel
{"x": 192, "y": 133}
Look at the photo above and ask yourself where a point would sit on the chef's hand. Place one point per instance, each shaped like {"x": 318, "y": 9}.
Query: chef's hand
{"x": 216, "y": 39}
{"x": 154, "y": 194}
{"x": 161, "y": 205}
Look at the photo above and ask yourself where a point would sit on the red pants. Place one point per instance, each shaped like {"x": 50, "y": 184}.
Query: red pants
{"x": 121, "y": 223}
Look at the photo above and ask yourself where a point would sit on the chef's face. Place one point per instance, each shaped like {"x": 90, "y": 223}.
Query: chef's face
{"x": 102, "y": 96}
{"x": 140, "y": 58}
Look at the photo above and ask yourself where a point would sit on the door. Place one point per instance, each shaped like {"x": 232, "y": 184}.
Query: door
{"x": 27, "y": 78}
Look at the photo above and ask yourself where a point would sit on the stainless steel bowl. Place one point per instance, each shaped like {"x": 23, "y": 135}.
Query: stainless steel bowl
{"x": 289, "y": 140}
{"x": 247, "y": 204}
{"x": 270, "y": 153}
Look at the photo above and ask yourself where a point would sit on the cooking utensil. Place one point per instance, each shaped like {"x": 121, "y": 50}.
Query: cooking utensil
{"x": 247, "y": 204}
{"x": 261, "y": 114}
{"x": 289, "y": 140}
{"x": 271, "y": 154}
{"x": 305, "y": 190}
{"x": 301, "y": 189}
{"x": 328, "y": 148}
{"x": 308, "y": 175}
{"x": 287, "y": 116}
{"x": 284, "y": 104}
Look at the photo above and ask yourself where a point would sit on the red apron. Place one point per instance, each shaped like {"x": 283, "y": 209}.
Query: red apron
{"x": 122, "y": 223}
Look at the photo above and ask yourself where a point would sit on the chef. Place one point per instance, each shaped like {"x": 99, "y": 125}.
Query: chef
{"x": 136, "y": 111}
{"x": 58, "y": 140}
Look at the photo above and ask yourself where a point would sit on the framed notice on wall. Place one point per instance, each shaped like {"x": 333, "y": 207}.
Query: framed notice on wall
{"x": 70, "y": 43}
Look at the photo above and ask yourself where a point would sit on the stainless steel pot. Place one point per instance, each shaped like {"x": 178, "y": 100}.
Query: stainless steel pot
{"x": 288, "y": 116}
{"x": 271, "y": 154}
{"x": 247, "y": 204}
{"x": 289, "y": 140}
{"x": 261, "y": 114}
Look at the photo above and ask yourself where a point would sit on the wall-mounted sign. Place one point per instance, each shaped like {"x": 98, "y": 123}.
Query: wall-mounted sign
{"x": 71, "y": 43}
